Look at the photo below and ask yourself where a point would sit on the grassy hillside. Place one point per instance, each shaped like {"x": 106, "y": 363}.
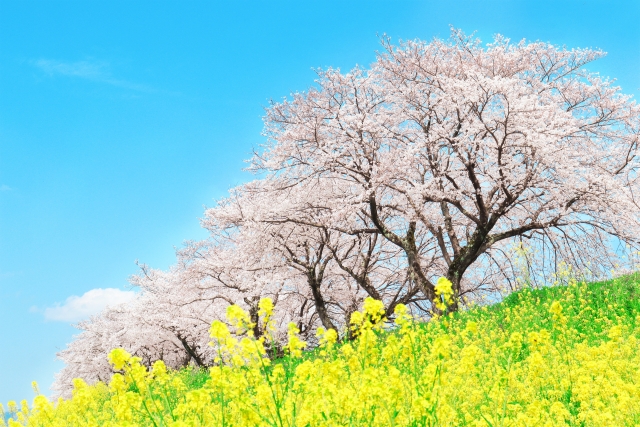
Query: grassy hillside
{"x": 558, "y": 356}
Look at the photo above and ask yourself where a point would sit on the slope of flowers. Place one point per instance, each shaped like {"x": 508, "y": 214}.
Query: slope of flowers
{"x": 566, "y": 355}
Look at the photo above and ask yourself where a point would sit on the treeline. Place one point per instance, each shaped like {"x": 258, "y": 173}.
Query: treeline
{"x": 433, "y": 162}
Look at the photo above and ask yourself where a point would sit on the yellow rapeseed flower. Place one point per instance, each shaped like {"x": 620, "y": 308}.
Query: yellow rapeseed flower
{"x": 444, "y": 292}
{"x": 295, "y": 345}
{"x": 118, "y": 357}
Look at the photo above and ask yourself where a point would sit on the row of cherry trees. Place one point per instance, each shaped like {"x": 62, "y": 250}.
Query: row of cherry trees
{"x": 376, "y": 182}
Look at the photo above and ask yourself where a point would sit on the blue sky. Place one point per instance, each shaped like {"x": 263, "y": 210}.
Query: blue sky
{"x": 120, "y": 120}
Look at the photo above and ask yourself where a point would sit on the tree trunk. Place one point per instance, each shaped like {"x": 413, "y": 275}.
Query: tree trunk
{"x": 321, "y": 307}
{"x": 192, "y": 354}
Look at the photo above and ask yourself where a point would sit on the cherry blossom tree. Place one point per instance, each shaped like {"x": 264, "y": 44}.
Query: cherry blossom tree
{"x": 450, "y": 150}
{"x": 163, "y": 322}
{"x": 339, "y": 269}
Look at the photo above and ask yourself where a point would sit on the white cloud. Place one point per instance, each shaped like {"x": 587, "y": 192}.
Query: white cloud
{"x": 82, "y": 69}
{"x": 92, "y": 302}
{"x": 88, "y": 70}
{"x": 5, "y": 187}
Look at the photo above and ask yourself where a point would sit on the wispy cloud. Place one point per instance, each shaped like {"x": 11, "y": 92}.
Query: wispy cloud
{"x": 77, "y": 308}
{"x": 5, "y": 187}
{"x": 97, "y": 71}
{"x": 9, "y": 274}
{"x": 82, "y": 69}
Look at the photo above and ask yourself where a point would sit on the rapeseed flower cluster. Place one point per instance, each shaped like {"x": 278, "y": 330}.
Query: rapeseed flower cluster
{"x": 444, "y": 292}
{"x": 566, "y": 355}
